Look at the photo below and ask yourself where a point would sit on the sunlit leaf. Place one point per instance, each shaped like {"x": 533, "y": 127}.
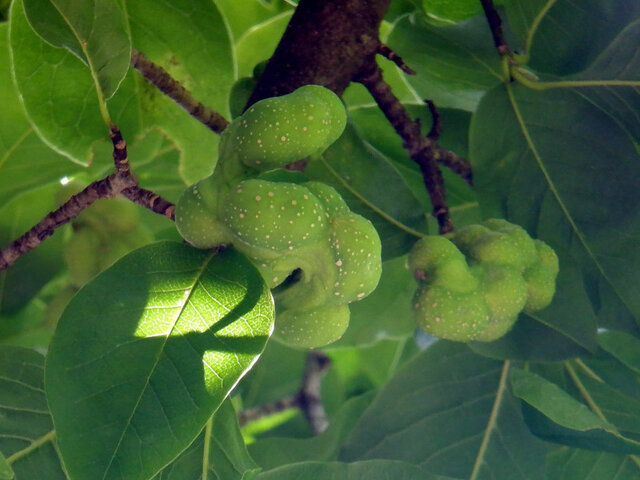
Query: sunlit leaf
{"x": 147, "y": 365}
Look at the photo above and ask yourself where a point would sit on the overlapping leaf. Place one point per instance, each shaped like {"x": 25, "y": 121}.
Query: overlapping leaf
{"x": 450, "y": 412}
{"x": 146, "y": 365}
{"x": 576, "y": 464}
{"x": 26, "y": 431}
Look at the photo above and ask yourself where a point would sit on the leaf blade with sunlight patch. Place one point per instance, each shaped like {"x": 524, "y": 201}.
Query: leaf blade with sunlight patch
{"x": 147, "y": 365}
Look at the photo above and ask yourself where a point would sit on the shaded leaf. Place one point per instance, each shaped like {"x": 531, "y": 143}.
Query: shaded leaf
{"x": 273, "y": 452}
{"x": 456, "y": 64}
{"x": 227, "y": 457}
{"x": 575, "y": 464}
{"x": 450, "y": 412}
{"x": 369, "y": 470}
{"x": 360, "y": 174}
{"x": 32, "y": 271}
{"x": 146, "y": 366}
{"x": 622, "y": 346}
{"x": 94, "y": 30}
{"x": 6, "y": 472}
{"x": 555, "y": 415}
{"x": 25, "y": 422}
{"x": 242, "y": 16}
{"x": 543, "y": 160}
{"x": 570, "y": 34}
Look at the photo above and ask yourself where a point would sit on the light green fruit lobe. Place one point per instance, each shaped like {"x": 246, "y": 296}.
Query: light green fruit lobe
{"x": 280, "y": 217}
{"x": 451, "y": 315}
{"x": 503, "y": 289}
{"x": 279, "y": 130}
{"x": 357, "y": 257}
{"x": 312, "y": 328}
{"x": 196, "y": 214}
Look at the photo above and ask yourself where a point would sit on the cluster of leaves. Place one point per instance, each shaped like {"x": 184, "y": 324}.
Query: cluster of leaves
{"x": 150, "y": 348}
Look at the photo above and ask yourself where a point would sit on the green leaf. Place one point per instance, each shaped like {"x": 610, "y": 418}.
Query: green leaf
{"x": 226, "y": 458}
{"x": 259, "y": 42}
{"x": 26, "y": 431}
{"x": 452, "y": 10}
{"x": 66, "y": 114}
{"x": 563, "y": 36}
{"x": 275, "y": 452}
{"x": 618, "y": 63}
{"x": 146, "y": 366}
{"x": 94, "y": 30}
{"x": 190, "y": 41}
{"x": 555, "y": 415}
{"x": 369, "y": 470}
{"x": 450, "y": 412}
{"x": 25, "y": 161}
{"x": 456, "y": 64}
{"x": 575, "y": 464}
{"x": 622, "y": 346}
{"x": 386, "y": 313}
{"x": 360, "y": 173}
{"x": 241, "y": 16}
{"x": 6, "y": 472}
{"x": 32, "y": 271}
{"x": 539, "y": 157}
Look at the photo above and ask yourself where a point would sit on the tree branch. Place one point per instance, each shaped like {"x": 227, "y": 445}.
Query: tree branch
{"x": 422, "y": 150}
{"x": 159, "y": 77}
{"x": 307, "y": 399}
{"x": 495, "y": 24}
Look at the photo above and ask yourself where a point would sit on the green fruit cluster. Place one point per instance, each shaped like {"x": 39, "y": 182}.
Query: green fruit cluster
{"x": 102, "y": 234}
{"x": 474, "y": 284}
{"x": 314, "y": 253}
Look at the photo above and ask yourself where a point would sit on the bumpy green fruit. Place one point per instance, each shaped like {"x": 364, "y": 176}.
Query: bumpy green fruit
{"x": 197, "y": 214}
{"x": 312, "y": 328}
{"x": 511, "y": 273}
{"x": 504, "y": 290}
{"x": 446, "y": 314}
{"x": 357, "y": 249}
{"x": 541, "y": 278}
{"x": 279, "y": 130}
{"x": 436, "y": 260}
{"x": 280, "y": 217}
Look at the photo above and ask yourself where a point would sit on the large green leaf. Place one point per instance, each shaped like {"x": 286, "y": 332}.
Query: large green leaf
{"x": 226, "y": 458}
{"x": 66, "y": 114}
{"x": 555, "y": 415}
{"x": 191, "y": 41}
{"x": 360, "y": 173}
{"x": 575, "y": 464}
{"x": 241, "y": 16}
{"x": 564, "y": 36}
{"x": 450, "y": 412}
{"x": 369, "y": 470}
{"x": 94, "y": 30}
{"x": 32, "y": 271}
{"x": 133, "y": 376}
{"x": 26, "y": 431}
{"x": 455, "y": 64}
{"x": 624, "y": 347}
{"x": 25, "y": 162}
{"x": 543, "y": 160}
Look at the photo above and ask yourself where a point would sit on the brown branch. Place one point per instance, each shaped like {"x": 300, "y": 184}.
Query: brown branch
{"x": 395, "y": 58}
{"x": 422, "y": 150}
{"x": 150, "y": 200}
{"x": 104, "y": 188}
{"x": 495, "y": 24}
{"x": 159, "y": 77}
{"x": 436, "y": 125}
{"x": 307, "y": 399}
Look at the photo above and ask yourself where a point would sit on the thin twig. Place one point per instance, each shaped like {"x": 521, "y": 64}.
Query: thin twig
{"x": 495, "y": 24}
{"x": 436, "y": 124}
{"x": 150, "y": 200}
{"x": 159, "y": 77}
{"x": 307, "y": 399}
{"x": 422, "y": 150}
{"x": 395, "y": 58}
